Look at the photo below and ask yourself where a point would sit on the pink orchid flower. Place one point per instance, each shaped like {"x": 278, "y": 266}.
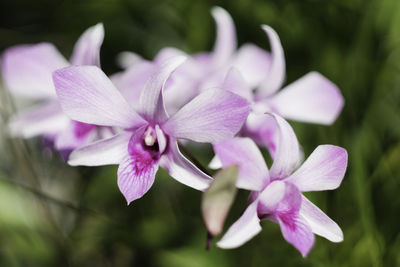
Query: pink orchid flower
{"x": 277, "y": 193}
{"x": 148, "y": 137}
{"x": 27, "y": 72}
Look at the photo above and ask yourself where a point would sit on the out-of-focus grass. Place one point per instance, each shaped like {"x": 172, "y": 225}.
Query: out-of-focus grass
{"x": 81, "y": 219}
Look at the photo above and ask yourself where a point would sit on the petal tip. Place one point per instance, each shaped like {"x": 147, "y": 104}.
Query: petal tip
{"x": 217, "y": 11}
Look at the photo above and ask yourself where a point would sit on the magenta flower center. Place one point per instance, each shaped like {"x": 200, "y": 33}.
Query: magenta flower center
{"x": 152, "y": 142}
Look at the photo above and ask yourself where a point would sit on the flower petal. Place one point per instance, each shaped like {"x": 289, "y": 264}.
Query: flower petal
{"x": 46, "y": 119}
{"x": 298, "y": 233}
{"x": 287, "y": 152}
{"x": 225, "y": 44}
{"x": 182, "y": 170}
{"x": 276, "y": 74}
{"x": 235, "y": 83}
{"x": 151, "y": 99}
{"x": 271, "y": 197}
{"x": 87, "y": 48}
{"x": 136, "y": 175}
{"x": 87, "y": 95}
{"x": 244, "y": 229}
{"x": 253, "y": 63}
{"x": 103, "y": 152}
{"x": 212, "y": 116}
{"x": 281, "y": 202}
{"x": 319, "y": 222}
{"x": 312, "y": 98}
{"x": 243, "y": 152}
{"x": 27, "y": 69}
{"x": 323, "y": 170}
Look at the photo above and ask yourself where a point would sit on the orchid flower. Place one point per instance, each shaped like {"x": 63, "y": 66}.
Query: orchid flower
{"x": 277, "y": 193}
{"x": 27, "y": 72}
{"x": 148, "y": 137}
{"x": 312, "y": 98}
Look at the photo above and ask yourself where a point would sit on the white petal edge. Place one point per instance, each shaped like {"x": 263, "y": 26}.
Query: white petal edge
{"x": 103, "y": 152}
{"x": 244, "y": 229}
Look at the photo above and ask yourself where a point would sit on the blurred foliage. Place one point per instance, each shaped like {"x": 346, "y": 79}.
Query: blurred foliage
{"x": 55, "y": 215}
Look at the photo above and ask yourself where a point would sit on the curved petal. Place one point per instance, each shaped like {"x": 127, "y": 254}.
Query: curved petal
{"x": 136, "y": 175}
{"x": 312, "y": 98}
{"x": 276, "y": 73}
{"x": 297, "y": 232}
{"x": 253, "y": 63}
{"x": 235, "y": 83}
{"x": 323, "y": 170}
{"x": 212, "y": 116}
{"x": 182, "y": 170}
{"x": 103, "y": 152}
{"x": 46, "y": 119}
{"x": 87, "y": 48}
{"x": 243, "y": 152}
{"x": 225, "y": 44}
{"x": 151, "y": 99}
{"x": 319, "y": 222}
{"x": 87, "y": 95}
{"x": 244, "y": 229}
{"x": 287, "y": 153}
{"x": 27, "y": 69}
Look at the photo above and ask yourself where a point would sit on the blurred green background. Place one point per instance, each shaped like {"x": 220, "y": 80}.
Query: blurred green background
{"x": 55, "y": 215}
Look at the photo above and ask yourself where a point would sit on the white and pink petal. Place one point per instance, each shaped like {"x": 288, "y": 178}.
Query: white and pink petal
{"x": 312, "y": 98}
{"x": 276, "y": 72}
{"x": 244, "y": 229}
{"x": 243, "y": 152}
{"x": 87, "y": 95}
{"x": 324, "y": 169}
{"x": 27, "y": 69}
{"x": 287, "y": 154}
{"x": 212, "y": 116}
{"x": 87, "y": 48}
{"x": 319, "y": 222}
{"x": 182, "y": 170}
{"x": 103, "y": 152}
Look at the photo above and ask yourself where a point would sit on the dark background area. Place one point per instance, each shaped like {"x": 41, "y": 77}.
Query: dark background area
{"x": 55, "y": 215}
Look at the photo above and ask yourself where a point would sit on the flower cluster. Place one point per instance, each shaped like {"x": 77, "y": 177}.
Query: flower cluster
{"x": 230, "y": 98}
